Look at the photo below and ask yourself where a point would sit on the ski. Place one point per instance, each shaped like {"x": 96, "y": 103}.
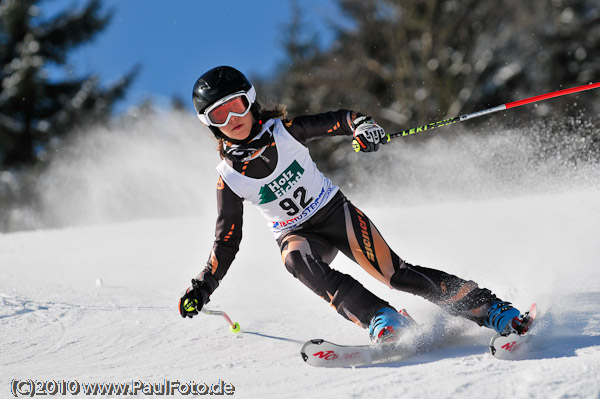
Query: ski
{"x": 321, "y": 353}
{"x": 418, "y": 339}
{"x": 513, "y": 346}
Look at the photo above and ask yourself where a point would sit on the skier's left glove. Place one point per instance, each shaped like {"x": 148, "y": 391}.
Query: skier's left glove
{"x": 197, "y": 296}
{"x": 368, "y": 135}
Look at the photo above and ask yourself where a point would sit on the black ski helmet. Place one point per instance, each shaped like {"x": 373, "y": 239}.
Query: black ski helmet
{"x": 215, "y": 84}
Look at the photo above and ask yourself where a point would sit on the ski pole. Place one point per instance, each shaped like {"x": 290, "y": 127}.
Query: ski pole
{"x": 498, "y": 108}
{"x": 233, "y": 326}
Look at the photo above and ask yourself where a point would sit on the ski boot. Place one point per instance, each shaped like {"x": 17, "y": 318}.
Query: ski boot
{"x": 505, "y": 319}
{"x": 387, "y": 325}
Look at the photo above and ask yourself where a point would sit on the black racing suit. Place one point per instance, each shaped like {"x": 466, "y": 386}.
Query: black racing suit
{"x": 308, "y": 250}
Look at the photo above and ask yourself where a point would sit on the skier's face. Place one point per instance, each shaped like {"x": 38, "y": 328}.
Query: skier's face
{"x": 239, "y": 127}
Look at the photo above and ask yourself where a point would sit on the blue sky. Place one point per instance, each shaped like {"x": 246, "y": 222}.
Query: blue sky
{"x": 176, "y": 41}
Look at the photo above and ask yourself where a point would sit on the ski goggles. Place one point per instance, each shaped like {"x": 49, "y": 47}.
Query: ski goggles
{"x": 236, "y": 104}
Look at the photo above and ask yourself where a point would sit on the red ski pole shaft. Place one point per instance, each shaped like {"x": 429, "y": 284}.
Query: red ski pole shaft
{"x": 233, "y": 326}
{"x": 552, "y": 95}
{"x": 498, "y": 108}
{"x": 218, "y": 313}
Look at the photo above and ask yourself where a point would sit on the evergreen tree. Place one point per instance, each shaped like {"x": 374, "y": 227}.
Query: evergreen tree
{"x": 410, "y": 62}
{"x": 35, "y": 111}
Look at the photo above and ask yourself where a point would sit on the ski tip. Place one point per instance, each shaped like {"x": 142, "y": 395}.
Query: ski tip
{"x": 528, "y": 319}
{"x": 533, "y": 310}
{"x": 307, "y": 343}
{"x": 491, "y": 347}
{"x": 509, "y": 347}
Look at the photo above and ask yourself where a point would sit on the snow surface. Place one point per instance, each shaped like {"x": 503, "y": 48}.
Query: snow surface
{"x": 98, "y": 302}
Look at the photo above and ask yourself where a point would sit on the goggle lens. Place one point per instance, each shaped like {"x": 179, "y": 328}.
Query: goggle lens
{"x": 237, "y": 106}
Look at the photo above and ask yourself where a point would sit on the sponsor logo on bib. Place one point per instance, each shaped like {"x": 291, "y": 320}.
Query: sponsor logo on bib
{"x": 281, "y": 184}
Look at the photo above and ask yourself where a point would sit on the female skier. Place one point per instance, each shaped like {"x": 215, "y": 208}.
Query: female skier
{"x": 265, "y": 161}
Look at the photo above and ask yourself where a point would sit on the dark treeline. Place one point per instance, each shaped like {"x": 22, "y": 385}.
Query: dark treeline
{"x": 36, "y": 110}
{"x": 405, "y": 62}
{"x": 42, "y": 99}
{"x": 409, "y": 63}
{"x": 420, "y": 60}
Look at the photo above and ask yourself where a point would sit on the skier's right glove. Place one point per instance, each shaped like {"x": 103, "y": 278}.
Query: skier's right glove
{"x": 197, "y": 296}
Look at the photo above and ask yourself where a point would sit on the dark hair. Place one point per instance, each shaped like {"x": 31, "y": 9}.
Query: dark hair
{"x": 260, "y": 115}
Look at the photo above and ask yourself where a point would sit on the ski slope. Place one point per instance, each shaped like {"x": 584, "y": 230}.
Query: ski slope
{"x": 97, "y": 301}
